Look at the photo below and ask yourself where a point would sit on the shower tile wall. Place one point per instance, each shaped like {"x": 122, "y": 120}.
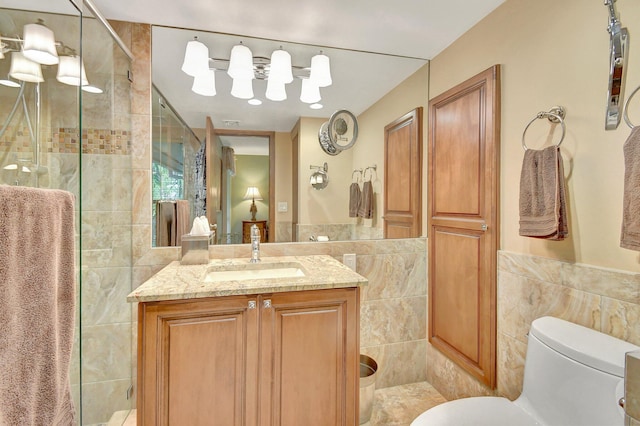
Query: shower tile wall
{"x": 529, "y": 287}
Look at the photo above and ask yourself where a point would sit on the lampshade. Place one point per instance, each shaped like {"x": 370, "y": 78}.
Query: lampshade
{"x": 196, "y": 58}
{"x": 39, "y": 44}
{"x": 252, "y": 194}
{"x": 281, "y": 67}
{"x": 8, "y": 82}
{"x": 71, "y": 71}
{"x": 242, "y": 88}
{"x": 320, "y": 70}
{"x": 205, "y": 83}
{"x": 276, "y": 90}
{"x": 310, "y": 93}
{"x": 25, "y": 69}
{"x": 241, "y": 63}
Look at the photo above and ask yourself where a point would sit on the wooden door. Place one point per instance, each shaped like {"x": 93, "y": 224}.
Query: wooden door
{"x": 463, "y": 208}
{"x": 310, "y": 358}
{"x": 198, "y": 362}
{"x": 403, "y": 176}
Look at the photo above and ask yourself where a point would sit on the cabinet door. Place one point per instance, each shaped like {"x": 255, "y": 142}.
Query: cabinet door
{"x": 198, "y": 362}
{"x": 310, "y": 358}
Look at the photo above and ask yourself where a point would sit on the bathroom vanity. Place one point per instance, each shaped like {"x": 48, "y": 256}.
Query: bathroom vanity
{"x": 240, "y": 343}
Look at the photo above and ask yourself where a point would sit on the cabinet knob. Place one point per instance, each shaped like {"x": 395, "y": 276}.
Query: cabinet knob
{"x": 252, "y": 304}
{"x": 267, "y": 303}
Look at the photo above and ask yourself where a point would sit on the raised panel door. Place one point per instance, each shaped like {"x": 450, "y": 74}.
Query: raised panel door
{"x": 310, "y": 358}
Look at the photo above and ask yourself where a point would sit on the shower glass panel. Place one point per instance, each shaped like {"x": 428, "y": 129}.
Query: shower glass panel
{"x": 174, "y": 170}
{"x": 54, "y": 135}
{"x": 106, "y": 194}
{"x": 40, "y": 128}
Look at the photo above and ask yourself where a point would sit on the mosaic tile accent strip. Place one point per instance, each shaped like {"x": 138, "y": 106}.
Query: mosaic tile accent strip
{"x": 66, "y": 141}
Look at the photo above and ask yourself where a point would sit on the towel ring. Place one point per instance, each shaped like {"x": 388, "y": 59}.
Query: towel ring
{"x": 374, "y": 168}
{"x": 554, "y": 115}
{"x": 626, "y": 108}
{"x": 354, "y": 172}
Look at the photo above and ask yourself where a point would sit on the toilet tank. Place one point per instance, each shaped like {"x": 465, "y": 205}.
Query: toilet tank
{"x": 573, "y": 375}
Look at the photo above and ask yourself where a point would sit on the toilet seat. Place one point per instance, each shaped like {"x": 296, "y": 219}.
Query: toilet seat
{"x": 477, "y": 411}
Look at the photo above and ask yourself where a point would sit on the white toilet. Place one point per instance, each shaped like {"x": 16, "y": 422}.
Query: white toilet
{"x": 573, "y": 375}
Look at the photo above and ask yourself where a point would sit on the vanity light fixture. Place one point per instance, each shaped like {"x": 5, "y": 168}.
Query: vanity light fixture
{"x": 196, "y": 58}
{"x": 71, "y": 71}
{"x": 25, "y": 69}
{"x": 205, "y": 83}
{"x": 320, "y": 70}
{"x": 310, "y": 92}
{"x": 8, "y": 82}
{"x": 39, "y": 44}
{"x": 243, "y": 68}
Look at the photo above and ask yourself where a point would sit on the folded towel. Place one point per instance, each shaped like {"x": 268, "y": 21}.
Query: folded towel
{"x": 365, "y": 210}
{"x": 183, "y": 220}
{"x": 37, "y": 305}
{"x": 354, "y": 199}
{"x": 630, "y": 235}
{"x": 543, "y": 212}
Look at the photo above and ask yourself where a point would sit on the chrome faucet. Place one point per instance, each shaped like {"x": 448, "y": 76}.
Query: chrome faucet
{"x": 255, "y": 244}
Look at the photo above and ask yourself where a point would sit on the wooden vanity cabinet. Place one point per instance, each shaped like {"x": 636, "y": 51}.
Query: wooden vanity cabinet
{"x": 287, "y": 358}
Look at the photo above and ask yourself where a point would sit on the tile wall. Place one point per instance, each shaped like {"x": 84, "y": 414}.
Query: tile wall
{"x": 530, "y": 287}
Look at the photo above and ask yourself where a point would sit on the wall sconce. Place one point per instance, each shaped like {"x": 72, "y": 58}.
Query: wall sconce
{"x": 253, "y": 194}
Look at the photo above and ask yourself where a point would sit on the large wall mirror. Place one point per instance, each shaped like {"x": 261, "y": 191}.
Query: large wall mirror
{"x": 376, "y": 88}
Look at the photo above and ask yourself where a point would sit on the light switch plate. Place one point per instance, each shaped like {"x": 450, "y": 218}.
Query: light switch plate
{"x": 283, "y": 207}
{"x": 349, "y": 259}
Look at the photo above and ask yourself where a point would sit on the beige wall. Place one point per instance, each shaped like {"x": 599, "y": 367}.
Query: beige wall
{"x": 330, "y": 205}
{"x": 552, "y": 53}
{"x": 555, "y": 53}
{"x": 369, "y": 149}
{"x": 284, "y": 185}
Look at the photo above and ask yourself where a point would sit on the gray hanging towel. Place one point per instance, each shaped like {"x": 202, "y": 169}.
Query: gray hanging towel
{"x": 354, "y": 199}
{"x": 543, "y": 211}
{"x": 630, "y": 235}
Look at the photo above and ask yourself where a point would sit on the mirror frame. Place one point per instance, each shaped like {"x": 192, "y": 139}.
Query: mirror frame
{"x": 211, "y": 133}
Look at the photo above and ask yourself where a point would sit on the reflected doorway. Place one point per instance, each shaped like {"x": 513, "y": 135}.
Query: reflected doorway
{"x": 246, "y": 189}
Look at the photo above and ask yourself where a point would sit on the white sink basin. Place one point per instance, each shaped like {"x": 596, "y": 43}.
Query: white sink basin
{"x": 255, "y": 271}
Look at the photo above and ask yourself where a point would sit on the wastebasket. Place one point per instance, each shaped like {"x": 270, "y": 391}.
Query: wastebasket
{"x": 368, "y": 369}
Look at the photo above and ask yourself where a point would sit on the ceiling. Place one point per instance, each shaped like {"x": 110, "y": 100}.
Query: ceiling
{"x": 373, "y": 46}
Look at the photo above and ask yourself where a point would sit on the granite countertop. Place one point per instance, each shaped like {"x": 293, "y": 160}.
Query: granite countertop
{"x": 176, "y": 281}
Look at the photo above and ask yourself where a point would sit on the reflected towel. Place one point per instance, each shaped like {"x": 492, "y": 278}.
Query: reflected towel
{"x": 37, "y": 305}
{"x": 183, "y": 220}
{"x": 229, "y": 160}
{"x": 354, "y": 199}
{"x": 630, "y": 235}
{"x": 365, "y": 210}
{"x": 165, "y": 223}
{"x": 543, "y": 212}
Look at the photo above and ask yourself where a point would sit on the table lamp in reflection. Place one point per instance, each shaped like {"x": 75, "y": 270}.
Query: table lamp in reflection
{"x": 253, "y": 194}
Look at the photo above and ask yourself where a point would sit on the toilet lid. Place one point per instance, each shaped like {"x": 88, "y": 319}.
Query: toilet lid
{"x": 478, "y": 411}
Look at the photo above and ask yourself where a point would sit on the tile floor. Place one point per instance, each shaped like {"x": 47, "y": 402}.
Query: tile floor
{"x": 396, "y": 406}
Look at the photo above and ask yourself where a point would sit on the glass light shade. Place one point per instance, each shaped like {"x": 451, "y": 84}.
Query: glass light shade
{"x": 310, "y": 93}
{"x": 252, "y": 194}
{"x": 39, "y": 44}
{"x": 196, "y": 58}
{"x": 242, "y": 88}
{"x": 316, "y": 106}
{"x": 205, "y": 84}
{"x": 91, "y": 89}
{"x": 255, "y": 102}
{"x": 9, "y": 83}
{"x": 71, "y": 71}
{"x": 281, "y": 67}
{"x": 241, "y": 63}
{"x": 1, "y": 51}
{"x": 25, "y": 69}
{"x": 276, "y": 90}
{"x": 321, "y": 70}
